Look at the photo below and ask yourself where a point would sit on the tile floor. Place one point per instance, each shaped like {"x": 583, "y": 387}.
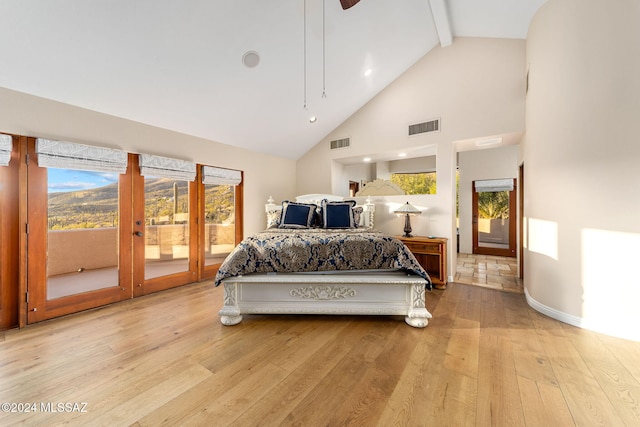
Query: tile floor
{"x": 489, "y": 271}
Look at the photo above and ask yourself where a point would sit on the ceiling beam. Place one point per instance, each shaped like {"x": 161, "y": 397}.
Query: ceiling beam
{"x": 441, "y": 19}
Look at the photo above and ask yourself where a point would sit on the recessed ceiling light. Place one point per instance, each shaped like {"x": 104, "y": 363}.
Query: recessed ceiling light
{"x": 402, "y": 155}
{"x": 368, "y": 72}
{"x": 366, "y": 159}
{"x": 251, "y": 59}
{"x": 313, "y": 119}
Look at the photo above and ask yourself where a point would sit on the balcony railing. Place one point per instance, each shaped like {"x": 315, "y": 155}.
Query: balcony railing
{"x": 95, "y": 248}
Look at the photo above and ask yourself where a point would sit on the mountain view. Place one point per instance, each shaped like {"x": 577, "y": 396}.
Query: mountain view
{"x": 98, "y": 207}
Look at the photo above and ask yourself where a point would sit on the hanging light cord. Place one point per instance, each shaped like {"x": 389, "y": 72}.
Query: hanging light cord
{"x": 304, "y": 55}
{"x": 324, "y": 67}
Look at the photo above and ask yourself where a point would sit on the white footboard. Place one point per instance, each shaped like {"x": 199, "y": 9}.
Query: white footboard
{"x": 379, "y": 293}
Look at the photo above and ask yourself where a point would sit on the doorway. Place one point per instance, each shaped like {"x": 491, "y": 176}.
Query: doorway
{"x": 354, "y": 187}
{"x": 494, "y": 217}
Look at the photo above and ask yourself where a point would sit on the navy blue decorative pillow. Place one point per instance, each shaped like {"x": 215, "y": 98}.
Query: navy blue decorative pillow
{"x": 338, "y": 214}
{"x": 297, "y": 215}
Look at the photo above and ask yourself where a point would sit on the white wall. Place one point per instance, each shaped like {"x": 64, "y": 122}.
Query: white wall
{"x": 264, "y": 175}
{"x": 490, "y": 163}
{"x": 475, "y": 86}
{"x": 581, "y": 154}
{"x": 415, "y": 165}
{"x": 358, "y": 173}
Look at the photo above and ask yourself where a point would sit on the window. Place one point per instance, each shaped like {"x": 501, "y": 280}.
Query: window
{"x": 416, "y": 183}
{"x": 82, "y": 215}
{"x": 167, "y": 219}
{"x": 220, "y": 219}
{"x": 221, "y": 189}
{"x": 82, "y": 231}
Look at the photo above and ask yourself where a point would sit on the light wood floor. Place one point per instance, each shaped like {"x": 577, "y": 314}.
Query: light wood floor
{"x": 485, "y": 359}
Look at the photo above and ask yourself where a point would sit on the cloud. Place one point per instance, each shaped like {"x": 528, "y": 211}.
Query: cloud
{"x": 73, "y": 180}
{"x": 109, "y": 177}
{"x": 71, "y": 186}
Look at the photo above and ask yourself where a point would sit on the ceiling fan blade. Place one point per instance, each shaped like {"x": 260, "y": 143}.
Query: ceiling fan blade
{"x": 346, "y": 4}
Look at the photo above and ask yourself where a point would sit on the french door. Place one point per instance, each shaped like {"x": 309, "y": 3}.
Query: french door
{"x": 77, "y": 241}
{"x": 494, "y": 217}
{"x": 75, "y": 238}
{"x": 165, "y": 233}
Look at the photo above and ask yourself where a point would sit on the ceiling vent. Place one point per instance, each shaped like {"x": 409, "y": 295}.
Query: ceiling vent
{"x": 340, "y": 143}
{"x": 430, "y": 126}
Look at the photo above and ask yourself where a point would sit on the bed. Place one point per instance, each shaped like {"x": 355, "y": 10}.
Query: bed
{"x": 320, "y": 254}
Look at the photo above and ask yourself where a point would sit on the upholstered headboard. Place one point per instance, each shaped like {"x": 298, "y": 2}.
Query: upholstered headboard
{"x": 274, "y": 210}
{"x": 380, "y": 187}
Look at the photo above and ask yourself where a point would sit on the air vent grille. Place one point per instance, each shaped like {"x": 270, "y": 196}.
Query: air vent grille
{"x": 340, "y": 143}
{"x": 430, "y": 126}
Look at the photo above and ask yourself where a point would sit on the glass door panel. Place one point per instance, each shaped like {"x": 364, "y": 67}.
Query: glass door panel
{"x": 82, "y": 232}
{"x": 167, "y": 227}
{"x": 494, "y": 222}
{"x": 220, "y": 222}
{"x": 493, "y": 219}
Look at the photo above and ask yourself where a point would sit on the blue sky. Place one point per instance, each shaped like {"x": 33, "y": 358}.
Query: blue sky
{"x": 73, "y": 180}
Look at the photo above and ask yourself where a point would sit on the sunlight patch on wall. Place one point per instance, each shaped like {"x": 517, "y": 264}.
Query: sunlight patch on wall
{"x": 393, "y": 206}
{"x": 610, "y": 287}
{"x": 543, "y": 237}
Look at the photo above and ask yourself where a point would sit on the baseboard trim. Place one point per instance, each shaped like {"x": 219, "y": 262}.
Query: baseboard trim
{"x": 552, "y": 312}
{"x": 579, "y": 322}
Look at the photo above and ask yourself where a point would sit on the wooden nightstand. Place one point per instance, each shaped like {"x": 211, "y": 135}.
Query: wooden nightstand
{"x": 431, "y": 253}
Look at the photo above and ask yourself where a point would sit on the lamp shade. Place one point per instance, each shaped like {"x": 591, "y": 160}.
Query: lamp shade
{"x": 407, "y": 209}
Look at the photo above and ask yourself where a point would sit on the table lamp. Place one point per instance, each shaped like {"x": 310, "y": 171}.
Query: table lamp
{"x": 407, "y": 210}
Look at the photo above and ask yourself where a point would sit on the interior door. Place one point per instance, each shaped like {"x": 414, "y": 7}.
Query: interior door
{"x": 9, "y": 238}
{"x": 165, "y": 233}
{"x": 494, "y": 220}
{"x": 77, "y": 223}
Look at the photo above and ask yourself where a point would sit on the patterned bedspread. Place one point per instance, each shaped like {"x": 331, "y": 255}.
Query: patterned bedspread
{"x": 295, "y": 250}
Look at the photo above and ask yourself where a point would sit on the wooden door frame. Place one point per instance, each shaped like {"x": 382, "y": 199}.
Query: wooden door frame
{"x": 38, "y": 307}
{"x": 10, "y": 239}
{"x": 521, "y": 221}
{"x": 476, "y": 249}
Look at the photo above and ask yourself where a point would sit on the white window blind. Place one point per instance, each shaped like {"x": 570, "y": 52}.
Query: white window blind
{"x": 6, "y": 146}
{"x": 165, "y": 167}
{"x": 493, "y": 185}
{"x": 219, "y": 176}
{"x": 68, "y": 155}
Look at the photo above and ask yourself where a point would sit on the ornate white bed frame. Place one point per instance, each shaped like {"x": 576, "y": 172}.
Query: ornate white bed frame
{"x": 361, "y": 293}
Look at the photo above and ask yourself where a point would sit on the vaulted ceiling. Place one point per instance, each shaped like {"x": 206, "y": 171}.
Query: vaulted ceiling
{"x": 181, "y": 65}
